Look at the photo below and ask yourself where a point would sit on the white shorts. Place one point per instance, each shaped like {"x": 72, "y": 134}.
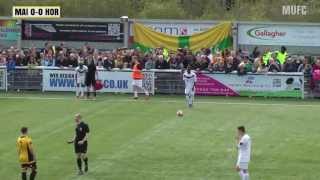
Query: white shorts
{"x": 81, "y": 81}
{"x": 189, "y": 91}
{"x": 137, "y": 82}
{"x": 243, "y": 165}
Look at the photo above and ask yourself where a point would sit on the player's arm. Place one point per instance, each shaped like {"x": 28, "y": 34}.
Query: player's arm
{"x": 96, "y": 73}
{"x": 72, "y": 140}
{"x": 18, "y": 147}
{"x": 76, "y": 77}
{"x": 84, "y": 139}
{"x": 194, "y": 81}
{"x": 31, "y": 150}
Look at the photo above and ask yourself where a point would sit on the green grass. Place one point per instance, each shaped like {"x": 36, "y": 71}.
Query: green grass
{"x": 142, "y": 140}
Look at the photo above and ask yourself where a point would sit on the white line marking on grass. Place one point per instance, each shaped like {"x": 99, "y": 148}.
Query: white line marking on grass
{"x": 34, "y": 98}
{"x": 165, "y": 101}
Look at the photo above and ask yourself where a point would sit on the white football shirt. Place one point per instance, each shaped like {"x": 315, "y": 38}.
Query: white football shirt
{"x": 189, "y": 79}
{"x": 81, "y": 73}
{"x": 244, "y": 149}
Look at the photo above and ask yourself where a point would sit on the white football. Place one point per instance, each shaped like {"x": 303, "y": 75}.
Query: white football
{"x": 180, "y": 113}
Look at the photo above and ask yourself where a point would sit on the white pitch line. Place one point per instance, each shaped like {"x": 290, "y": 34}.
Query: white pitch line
{"x": 33, "y": 98}
{"x": 166, "y": 101}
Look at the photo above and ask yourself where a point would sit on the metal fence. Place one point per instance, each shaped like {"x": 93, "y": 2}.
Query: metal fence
{"x": 164, "y": 82}
{"x": 24, "y": 79}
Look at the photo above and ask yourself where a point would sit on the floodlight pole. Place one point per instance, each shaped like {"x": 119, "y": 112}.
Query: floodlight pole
{"x": 235, "y": 35}
{"x": 19, "y": 24}
{"x": 125, "y": 21}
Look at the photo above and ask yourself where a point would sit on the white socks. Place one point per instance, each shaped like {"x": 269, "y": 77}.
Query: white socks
{"x": 135, "y": 91}
{"x": 80, "y": 90}
{"x": 189, "y": 99}
{"x": 244, "y": 175}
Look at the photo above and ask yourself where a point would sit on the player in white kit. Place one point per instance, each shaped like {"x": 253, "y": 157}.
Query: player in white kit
{"x": 190, "y": 79}
{"x": 244, "y": 153}
{"x": 81, "y": 71}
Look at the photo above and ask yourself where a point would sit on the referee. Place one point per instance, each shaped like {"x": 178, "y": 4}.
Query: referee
{"x": 80, "y": 141}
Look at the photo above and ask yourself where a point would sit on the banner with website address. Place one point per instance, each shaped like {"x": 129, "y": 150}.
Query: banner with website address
{"x": 265, "y": 85}
{"x": 65, "y": 80}
{"x": 3, "y": 79}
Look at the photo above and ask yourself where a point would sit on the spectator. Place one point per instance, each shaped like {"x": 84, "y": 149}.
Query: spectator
{"x": 228, "y": 66}
{"x": 220, "y": 65}
{"x": 274, "y": 66}
{"x": 108, "y": 63}
{"x": 255, "y": 53}
{"x": 281, "y": 55}
{"x": 72, "y": 60}
{"x": 219, "y": 61}
{"x": 202, "y": 63}
{"x": 150, "y": 63}
{"x": 266, "y": 56}
{"x": 161, "y": 63}
{"x": 315, "y": 74}
{"x": 62, "y": 60}
{"x": 236, "y": 59}
{"x": 290, "y": 65}
{"x": 304, "y": 67}
{"x": 241, "y": 69}
{"x": 247, "y": 64}
{"x": 3, "y": 58}
{"x": 119, "y": 61}
{"x": 33, "y": 62}
{"x": 11, "y": 62}
{"x": 173, "y": 61}
{"x": 48, "y": 60}
{"x": 261, "y": 67}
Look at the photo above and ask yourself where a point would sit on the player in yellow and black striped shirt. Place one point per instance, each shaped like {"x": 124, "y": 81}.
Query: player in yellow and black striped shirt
{"x": 26, "y": 155}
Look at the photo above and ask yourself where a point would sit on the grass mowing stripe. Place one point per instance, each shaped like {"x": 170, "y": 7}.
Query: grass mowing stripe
{"x": 106, "y": 165}
{"x": 169, "y": 101}
{"x": 56, "y": 125}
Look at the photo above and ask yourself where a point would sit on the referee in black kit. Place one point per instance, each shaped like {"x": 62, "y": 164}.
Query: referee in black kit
{"x": 80, "y": 141}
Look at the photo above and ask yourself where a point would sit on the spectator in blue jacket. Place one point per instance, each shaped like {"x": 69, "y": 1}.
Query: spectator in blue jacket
{"x": 48, "y": 60}
{"x": 11, "y": 63}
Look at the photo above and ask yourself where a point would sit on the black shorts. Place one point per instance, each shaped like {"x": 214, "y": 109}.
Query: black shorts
{"x": 90, "y": 81}
{"x": 32, "y": 165}
{"x": 80, "y": 148}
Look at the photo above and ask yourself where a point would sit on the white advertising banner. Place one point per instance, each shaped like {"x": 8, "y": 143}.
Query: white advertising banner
{"x": 3, "y": 78}
{"x": 279, "y": 85}
{"x": 287, "y": 35}
{"x": 178, "y": 29}
{"x": 113, "y": 81}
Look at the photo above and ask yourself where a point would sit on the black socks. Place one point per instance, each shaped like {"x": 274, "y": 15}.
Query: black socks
{"x": 79, "y": 163}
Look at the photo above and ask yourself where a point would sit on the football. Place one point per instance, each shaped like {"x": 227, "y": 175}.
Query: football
{"x": 179, "y": 113}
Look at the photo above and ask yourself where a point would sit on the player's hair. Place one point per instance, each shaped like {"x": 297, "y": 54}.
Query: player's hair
{"x": 242, "y": 129}
{"x": 24, "y": 130}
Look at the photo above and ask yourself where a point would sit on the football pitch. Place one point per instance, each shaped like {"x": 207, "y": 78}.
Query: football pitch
{"x": 145, "y": 140}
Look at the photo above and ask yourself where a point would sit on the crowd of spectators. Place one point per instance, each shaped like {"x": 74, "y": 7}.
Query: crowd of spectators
{"x": 225, "y": 61}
